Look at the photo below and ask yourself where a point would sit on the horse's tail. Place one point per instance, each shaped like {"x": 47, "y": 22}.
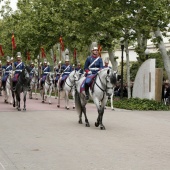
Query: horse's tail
{"x": 78, "y": 102}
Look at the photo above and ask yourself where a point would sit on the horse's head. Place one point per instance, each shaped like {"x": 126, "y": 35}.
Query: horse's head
{"x": 74, "y": 76}
{"x": 35, "y": 72}
{"x": 108, "y": 80}
{"x": 25, "y": 72}
{"x": 50, "y": 77}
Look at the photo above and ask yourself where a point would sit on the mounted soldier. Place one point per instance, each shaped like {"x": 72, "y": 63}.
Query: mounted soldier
{"x": 0, "y": 77}
{"x": 45, "y": 71}
{"x": 106, "y": 63}
{"x": 32, "y": 67}
{"x": 92, "y": 65}
{"x": 6, "y": 70}
{"x": 66, "y": 70}
{"x": 18, "y": 67}
{"x": 57, "y": 71}
{"x": 78, "y": 68}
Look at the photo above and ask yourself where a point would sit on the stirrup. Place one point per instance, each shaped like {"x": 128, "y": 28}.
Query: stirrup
{"x": 29, "y": 88}
{"x": 87, "y": 97}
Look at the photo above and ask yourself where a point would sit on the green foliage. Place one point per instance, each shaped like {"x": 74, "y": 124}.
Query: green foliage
{"x": 140, "y": 104}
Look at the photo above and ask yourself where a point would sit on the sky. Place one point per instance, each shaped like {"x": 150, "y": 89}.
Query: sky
{"x": 14, "y": 4}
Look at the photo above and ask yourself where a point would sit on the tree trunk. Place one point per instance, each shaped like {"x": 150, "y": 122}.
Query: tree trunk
{"x": 162, "y": 49}
{"x": 128, "y": 69}
{"x": 113, "y": 61}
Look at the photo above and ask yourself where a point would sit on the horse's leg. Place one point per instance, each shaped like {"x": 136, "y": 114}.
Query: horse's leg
{"x": 111, "y": 101}
{"x": 49, "y": 95}
{"x": 58, "y": 105}
{"x": 73, "y": 94}
{"x": 42, "y": 94}
{"x": 86, "y": 120}
{"x": 10, "y": 95}
{"x": 100, "y": 118}
{"x": 24, "y": 99}
{"x": 66, "y": 100}
{"x": 13, "y": 96}
{"x": 46, "y": 90}
{"x": 36, "y": 92}
{"x": 5, "y": 96}
{"x": 18, "y": 100}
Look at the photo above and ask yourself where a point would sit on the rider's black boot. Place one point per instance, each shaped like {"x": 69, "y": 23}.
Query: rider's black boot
{"x": 61, "y": 85}
{"x": 87, "y": 91}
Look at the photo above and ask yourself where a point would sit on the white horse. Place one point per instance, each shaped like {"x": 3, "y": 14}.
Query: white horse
{"x": 8, "y": 92}
{"x": 100, "y": 91}
{"x": 33, "y": 84}
{"x": 68, "y": 87}
{"x": 47, "y": 87}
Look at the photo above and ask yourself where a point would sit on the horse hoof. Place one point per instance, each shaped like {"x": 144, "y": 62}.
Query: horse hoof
{"x": 19, "y": 109}
{"x": 87, "y": 125}
{"x": 80, "y": 122}
{"x": 42, "y": 101}
{"x": 73, "y": 107}
{"x": 36, "y": 98}
{"x": 49, "y": 103}
{"x": 113, "y": 109}
{"x": 58, "y": 106}
{"x": 96, "y": 124}
{"x": 102, "y": 128}
{"x": 13, "y": 105}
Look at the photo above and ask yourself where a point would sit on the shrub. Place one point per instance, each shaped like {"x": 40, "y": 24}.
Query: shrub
{"x": 139, "y": 104}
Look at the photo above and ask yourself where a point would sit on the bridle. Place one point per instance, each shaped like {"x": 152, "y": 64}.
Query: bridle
{"x": 73, "y": 82}
{"x": 49, "y": 79}
{"x": 105, "y": 86}
{"x": 34, "y": 75}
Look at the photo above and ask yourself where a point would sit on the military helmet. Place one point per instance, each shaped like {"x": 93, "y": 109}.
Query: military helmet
{"x": 106, "y": 60}
{"x": 8, "y": 59}
{"x": 67, "y": 58}
{"x": 94, "y": 48}
{"x": 45, "y": 60}
{"x": 19, "y": 55}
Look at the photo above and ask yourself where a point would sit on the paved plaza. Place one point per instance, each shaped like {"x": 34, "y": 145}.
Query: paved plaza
{"x": 49, "y": 138}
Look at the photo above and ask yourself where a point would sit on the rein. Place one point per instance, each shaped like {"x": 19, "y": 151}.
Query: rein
{"x": 71, "y": 82}
{"x": 105, "y": 89}
{"x": 48, "y": 81}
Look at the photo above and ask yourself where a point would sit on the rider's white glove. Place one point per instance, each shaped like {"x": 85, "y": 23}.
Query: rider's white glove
{"x": 89, "y": 72}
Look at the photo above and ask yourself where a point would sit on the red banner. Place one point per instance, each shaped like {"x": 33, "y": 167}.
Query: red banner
{"x": 61, "y": 43}
{"x": 43, "y": 55}
{"x": 1, "y": 51}
{"x": 75, "y": 53}
{"x": 99, "y": 50}
{"x": 13, "y": 42}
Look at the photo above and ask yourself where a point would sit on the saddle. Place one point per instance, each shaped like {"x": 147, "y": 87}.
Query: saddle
{"x": 91, "y": 85}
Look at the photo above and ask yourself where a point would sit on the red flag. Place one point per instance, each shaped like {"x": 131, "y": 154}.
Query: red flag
{"x": 43, "y": 55}
{"x": 99, "y": 50}
{"x": 75, "y": 53}
{"x": 13, "y": 42}
{"x": 1, "y": 51}
{"x": 28, "y": 55}
{"x": 61, "y": 43}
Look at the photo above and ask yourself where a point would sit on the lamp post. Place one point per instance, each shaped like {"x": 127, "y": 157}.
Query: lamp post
{"x": 122, "y": 49}
{"x": 147, "y": 53}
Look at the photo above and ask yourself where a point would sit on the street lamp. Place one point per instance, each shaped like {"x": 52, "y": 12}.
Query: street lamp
{"x": 147, "y": 53}
{"x": 122, "y": 49}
